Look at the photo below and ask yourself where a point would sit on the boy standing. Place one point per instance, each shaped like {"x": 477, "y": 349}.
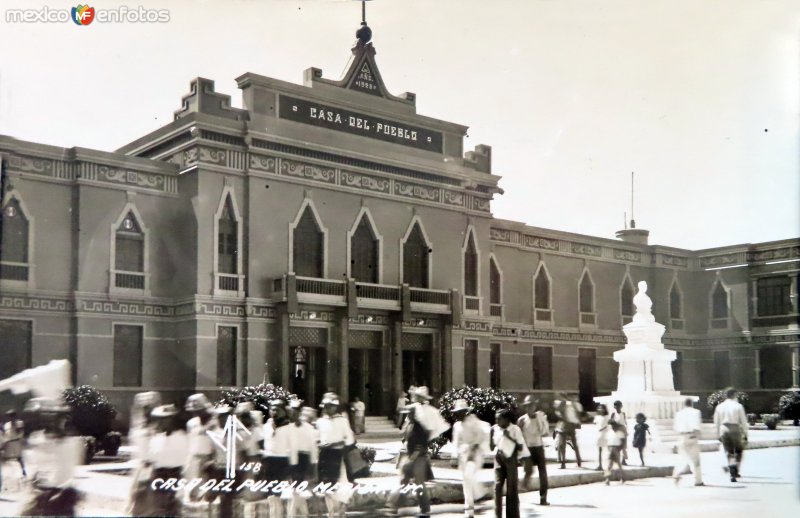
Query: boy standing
{"x": 509, "y": 447}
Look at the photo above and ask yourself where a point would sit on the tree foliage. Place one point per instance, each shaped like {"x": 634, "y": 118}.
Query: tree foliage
{"x": 90, "y": 411}
{"x": 789, "y": 406}
{"x": 260, "y": 395}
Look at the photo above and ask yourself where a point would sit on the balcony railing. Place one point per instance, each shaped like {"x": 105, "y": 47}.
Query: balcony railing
{"x": 588, "y": 319}
{"x": 719, "y": 323}
{"x": 776, "y": 320}
{"x": 365, "y": 290}
{"x": 423, "y": 296}
{"x": 320, "y": 286}
{"x": 676, "y": 324}
{"x": 472, "y": 303}
{"x": 13, "y": 271}
{"x": 496, "y": 310}
{"x": 543, "y": 315}
{"x": 129, "y": 280}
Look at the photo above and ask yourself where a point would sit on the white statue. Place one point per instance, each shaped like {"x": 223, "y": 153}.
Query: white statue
{"x": 643, "y": 305}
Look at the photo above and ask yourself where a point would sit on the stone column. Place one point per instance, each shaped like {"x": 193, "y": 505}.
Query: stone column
{"x": 343, "y": 350}
{"x": 285, "y": 359}
{"x": 757, "y": 368}
{"x": 796, "y": 367}
{"x": 397, "y": 357}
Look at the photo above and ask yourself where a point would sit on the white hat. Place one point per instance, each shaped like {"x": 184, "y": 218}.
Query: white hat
{"x": 421, "y": 392}
{"x": 461, "y": 405}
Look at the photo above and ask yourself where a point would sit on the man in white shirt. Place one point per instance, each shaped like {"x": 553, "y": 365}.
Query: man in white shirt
{"x": 534, "y": 426}
{"x": 687, "y": 422}
{"x": 509, "y": 447}
{"x": 469, "y": 435}
{"x": 731, "y": 422}
{"x": 359, "y": 415}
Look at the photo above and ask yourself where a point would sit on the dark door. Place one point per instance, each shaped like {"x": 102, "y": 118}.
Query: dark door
{"x": 308, "y": 373}
{"x": 471, "y": 363}
{"x": 587, "y": 377}
{"x": 365, "y": 381}
{"x": 677, "y": 371}
{"x": 722, "y": 369}
{"x": 417, "y": 368}
{"x": 494, "y": 361}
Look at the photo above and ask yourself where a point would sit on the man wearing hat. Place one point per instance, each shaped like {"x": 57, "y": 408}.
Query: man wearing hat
{"x": 142, "y": 429}
{"x": 167, "y": 454}
{"x": 201, "y": 447}
{"x": 534, "y": 426}
{"x": 469, "y": 436}
{"x": 277, "y": 437}
{"x": 568, "y": 412}
{"x": 52, "y": 460}
{"x": 334, "y": 434}
{"x": 303, "y": 453}
{"x": 509, "y": 447}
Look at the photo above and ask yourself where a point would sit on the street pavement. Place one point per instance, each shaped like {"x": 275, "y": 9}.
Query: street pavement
{"x": 769, "y": 487}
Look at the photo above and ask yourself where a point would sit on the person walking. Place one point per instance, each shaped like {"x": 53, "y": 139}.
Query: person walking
{"x": 469, "y": 435}
{"x": 601, "y": 421}
{"x": 508, "y": 445}
{"x": 359, "y": 410}
{"x": 618, "y": 416}
{"x": 534, "y": 427}
{"x": 615, "y": 436}
{"x": 730, "y": 420}
{"x": 142, "y": 429}
{"x": 277, "y": 447}
{"x": 688, "y": 422}
{"x": 400, "y": 415}
{"x": 303, "y": 455}
{"x": 568, "y": 413}
{"x": 640, "y": 432}
{"x": 13, "y": 439}
{"x": 167, "y": 454}
{"x": 201, "y": 447}
{"x": 334, "y": 434}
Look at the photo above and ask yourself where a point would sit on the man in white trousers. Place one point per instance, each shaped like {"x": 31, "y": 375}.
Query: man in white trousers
{"x": 687, "y": 422}
{"x": 469, "y": 436}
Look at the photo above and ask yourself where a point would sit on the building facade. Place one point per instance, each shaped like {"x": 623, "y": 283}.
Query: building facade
{"x": 327, "y": 237}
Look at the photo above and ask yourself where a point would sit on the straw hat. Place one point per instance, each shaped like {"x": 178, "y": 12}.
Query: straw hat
{"x": 330, "y": 398}
{"x": 529, "y": 400}
{"x": 164, "y": 411}
{"x": 197, "y": 403}
{"x": 421, "y": 392}
{"x": 147, "y": 399}
{"x": 461, "y": 405}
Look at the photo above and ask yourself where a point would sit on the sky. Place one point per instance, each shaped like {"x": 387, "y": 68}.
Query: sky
{"x": 700, "y": 98}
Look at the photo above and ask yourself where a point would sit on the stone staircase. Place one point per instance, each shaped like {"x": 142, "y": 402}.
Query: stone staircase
{"x": 379, "y": 429}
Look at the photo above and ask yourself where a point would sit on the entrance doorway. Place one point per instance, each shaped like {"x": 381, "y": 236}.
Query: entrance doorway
{"x": 365, "y": 378}
{"x": 308, "y": 373}
{"x": 587, "y": 377}
{"x": 417, "y": 369}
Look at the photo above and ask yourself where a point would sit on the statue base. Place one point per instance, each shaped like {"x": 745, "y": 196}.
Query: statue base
{"x": 654, "y": 405}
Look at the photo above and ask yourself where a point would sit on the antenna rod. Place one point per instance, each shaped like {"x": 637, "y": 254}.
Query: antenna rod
{"x": 625, "y": 220}
{"x": 364, "y": 11}
{"x": 633, "y": 220}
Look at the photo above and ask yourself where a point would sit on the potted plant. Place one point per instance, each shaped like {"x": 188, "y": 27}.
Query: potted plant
{"x": 771, "y": 420}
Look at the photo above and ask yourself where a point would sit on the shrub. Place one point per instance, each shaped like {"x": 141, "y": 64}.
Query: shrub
{"x": 111, "y": 443}
{"x": 484, "y": 402}
{"x": 715, "y": 398}
{"x": 771, "y": 420}
{"x": 90, "y": 412}
{"x": 260, "y": 395}
{"x": 789, "y": 406}
{"x": 752, "y": 419}
{"x": 367, "y": 453}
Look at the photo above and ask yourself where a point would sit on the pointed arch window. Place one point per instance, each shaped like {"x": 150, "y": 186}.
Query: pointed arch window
{"x": 130, "y": 245}
{"x": 471, "y": 267}
{"x": 542, "y": 302}
{"x": 720, "y": 306}
{"x": 14, "y": 242}
{"x": 626, "y": 300}
{"x": 364, "y": 253}
{"x": 308, "y": 246}
{"x": 228, "y": 239}
{"x": 495, "y": 289}
{"x": 588, "y": 316}
{"x": 416, "y": 261}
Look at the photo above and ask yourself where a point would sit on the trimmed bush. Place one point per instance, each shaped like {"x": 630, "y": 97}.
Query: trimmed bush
{"x": 715, "y": 398}
{"x": 90, "y": 412}
{"x": 789, "y": 406}
{"x": 111, "y": 443}
{"x": 260, "y": 395}
{"x": 771, "y": 420}
{"x": 485, "y": 402}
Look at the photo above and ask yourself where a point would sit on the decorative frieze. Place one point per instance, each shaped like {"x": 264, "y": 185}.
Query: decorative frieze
{"x": 321, "y": 316}
{"x": 363, "y": 181}
{"x": 263, "y": 163}
{"x": 308, "y": 171}
{"x": 719, "y": 260}
{"x": 42, "y": 166}
{"x": 584, "y": 249}
{"x": 421, "y": 192}
{"x": 500, "y": 234}
{"x": 540, "y": 242}
{"x": 776, "y": 254}
{"x": 675, "y": 260}
{"x": 627, "y": 255}
{"x": 375, "y": 320}
{"x": 453, "y": 198}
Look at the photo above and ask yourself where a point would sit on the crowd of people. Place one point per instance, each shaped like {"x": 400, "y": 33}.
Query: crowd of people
{"x": 291, "y": 443}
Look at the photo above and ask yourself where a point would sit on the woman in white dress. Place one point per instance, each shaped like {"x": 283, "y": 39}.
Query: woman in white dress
{"x": 601, "y": 421}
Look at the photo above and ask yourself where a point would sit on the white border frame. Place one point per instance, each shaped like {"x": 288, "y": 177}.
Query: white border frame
{"x": 309, "y": 203}
{"x": 365, "y": 213}
{"x": 414, "y": 221}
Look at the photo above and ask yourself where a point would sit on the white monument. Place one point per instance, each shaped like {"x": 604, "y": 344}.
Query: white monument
{"x": 644, "y": 383}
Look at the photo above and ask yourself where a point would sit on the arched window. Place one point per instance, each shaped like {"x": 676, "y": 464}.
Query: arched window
{"x": 308, "y": 246}
{"x": 675, "y": 302}
{"x": 364, "y": 252}
{"x": 541, "y": 290}
{"x": 129, "y": 255}
{"x": 227, "y": 240}
{"x": 586, "y": 295}
{"x": 471, "y": 267}
{"x": 719, "y": 302}
{"x": 415, "y": 259}
{"x": 14, "y": 242}
{"x": 626, "y": 300}
{"x": 495, "y": 283}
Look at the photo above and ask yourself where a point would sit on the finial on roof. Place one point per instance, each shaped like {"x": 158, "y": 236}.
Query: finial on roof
{"x": 364, "y": 33}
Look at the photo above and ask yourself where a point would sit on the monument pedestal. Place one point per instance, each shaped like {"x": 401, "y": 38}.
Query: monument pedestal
{"x": 645, "y": 374}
